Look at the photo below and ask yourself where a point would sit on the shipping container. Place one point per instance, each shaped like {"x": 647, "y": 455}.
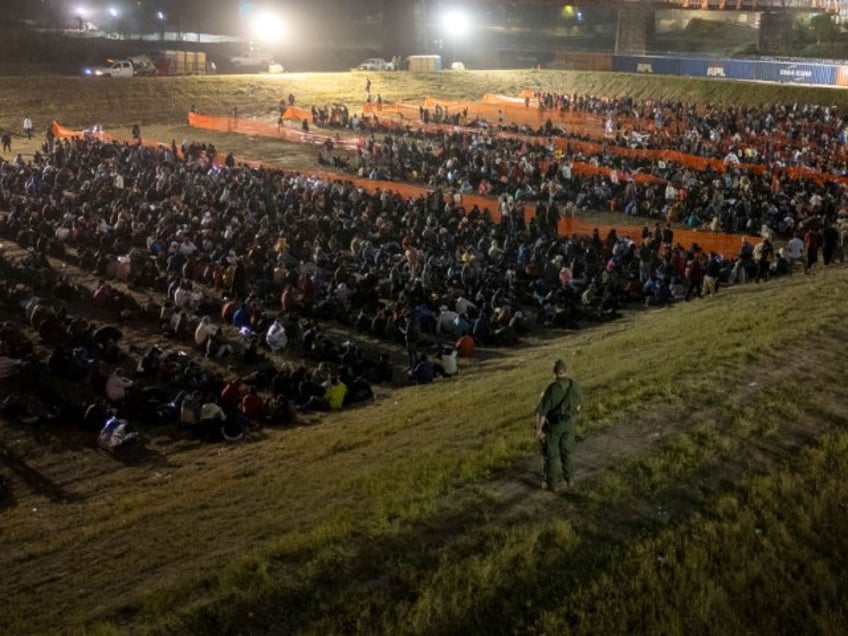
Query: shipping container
{"x": 182, "y": 63}
{"x": 424, "y": 63}
{"x": 518, "y": 58}
{"x": 581, "y": 61}
{"x": 718, "y": 68}
{"x": 797, "y": 73}
{"x": 649, "y": 64}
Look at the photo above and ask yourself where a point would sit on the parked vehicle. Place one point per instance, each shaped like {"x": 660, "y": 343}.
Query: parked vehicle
{"x": 130, "y": 67}
{"x": 252, "y": 58}
{"x": 376, "y": 64}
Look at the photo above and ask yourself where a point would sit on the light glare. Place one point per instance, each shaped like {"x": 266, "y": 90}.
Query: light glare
{"x": 268, "y": 26}
{"x": 455, "y": 22}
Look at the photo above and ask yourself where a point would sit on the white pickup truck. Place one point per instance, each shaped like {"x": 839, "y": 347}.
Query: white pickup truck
{"x": 118, "y": 68}
{"x": 134, "y": 65}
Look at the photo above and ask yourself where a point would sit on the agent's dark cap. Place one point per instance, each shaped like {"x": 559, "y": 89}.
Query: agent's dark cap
{"x": 559, "y": 367}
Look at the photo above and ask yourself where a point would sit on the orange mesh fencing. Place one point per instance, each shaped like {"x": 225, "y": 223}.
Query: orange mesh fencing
{"x": 295, "y": 112}
{"x": 267, "y": 129}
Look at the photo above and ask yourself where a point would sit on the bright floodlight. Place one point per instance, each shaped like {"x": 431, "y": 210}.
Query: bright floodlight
{"x": 81, "y": 12}
{"x": 455, "y": 22}
{"x": 160, "y": 16}
{"x": 268, "y": 26}
{"x": 113, "y": 12}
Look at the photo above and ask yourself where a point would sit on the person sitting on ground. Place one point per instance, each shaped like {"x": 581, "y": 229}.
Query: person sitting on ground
{"x": 241, "y": 316}
{"x": 212, "y": 418}
{"x": 205, "y": 330}
{"x": 358, "y": 388}
{"x": 117, "y": 385}
{"x": 103, "y": 294}
{"x": 276, "y": 335}
{"x": 446, "y": 366}
{"x": 465, "y": 346}
{"x": 446, "y": 321}
{"x": 217, "y": 346}
{"x": 423, "y": 372}
{"x": 190, "y": 407}
{"x": 252, "y": 405}
{"x": 331, "y": 399}
{"x": 231, "y": 394}
{"x": 281, "y": 412}
{"x": 336, "y": 392}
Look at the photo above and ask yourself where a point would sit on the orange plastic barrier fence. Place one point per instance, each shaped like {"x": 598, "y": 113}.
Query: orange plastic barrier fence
{"x": 267, "y": 129}
{"x": 295, "y": 112}
{"x": 726, "y": 244}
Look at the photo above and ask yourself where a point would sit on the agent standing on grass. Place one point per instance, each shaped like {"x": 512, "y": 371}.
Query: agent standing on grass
{"x": 556, "y": 420}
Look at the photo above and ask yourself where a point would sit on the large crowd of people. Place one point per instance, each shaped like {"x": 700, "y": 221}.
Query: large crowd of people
{"x": 760, "y": 150}
{"x": 260, "y": 282}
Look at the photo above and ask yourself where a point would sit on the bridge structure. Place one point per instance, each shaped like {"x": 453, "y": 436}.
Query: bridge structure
{"x": 804, "y": 6}
{"x": 636, "y": 19}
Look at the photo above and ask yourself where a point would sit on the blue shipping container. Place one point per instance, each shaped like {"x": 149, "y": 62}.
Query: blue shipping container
{"x": 719, "y": 68}
{"x": 797, "y": 73}
{"x": 649, "y": 64}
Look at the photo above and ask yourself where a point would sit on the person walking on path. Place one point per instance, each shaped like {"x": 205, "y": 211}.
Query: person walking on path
{"x": 28, "y": 127}
{"x": 556, "y": 420}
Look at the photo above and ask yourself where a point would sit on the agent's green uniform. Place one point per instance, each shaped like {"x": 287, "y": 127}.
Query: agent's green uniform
{"x": 559, "y": 404}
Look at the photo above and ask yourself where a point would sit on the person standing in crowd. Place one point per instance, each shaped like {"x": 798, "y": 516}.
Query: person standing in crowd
{"x": 795, "y": 247}
{"x": 811, "y": 243}
{"x": 556, "y": 420}
{"x": 28, "y": 127}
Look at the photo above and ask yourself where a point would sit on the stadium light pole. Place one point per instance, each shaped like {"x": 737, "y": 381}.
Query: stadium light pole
{"x": 80, "y": 15}
{"x": 160, "y": 15}
{"x": 455, "y": 24}
{"x": 115, "y": 14}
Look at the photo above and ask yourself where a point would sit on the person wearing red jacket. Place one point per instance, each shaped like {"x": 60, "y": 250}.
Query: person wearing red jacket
{"x": 252, "y": 404}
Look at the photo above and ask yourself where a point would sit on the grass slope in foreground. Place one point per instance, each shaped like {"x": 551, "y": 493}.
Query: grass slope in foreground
{"x": 710, "y": 494}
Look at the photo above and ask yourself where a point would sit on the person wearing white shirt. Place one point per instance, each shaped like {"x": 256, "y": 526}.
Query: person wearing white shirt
{"x": 205, "y": 329}
{"x": 445, "y": 322}
{"x": 276, "y": 336}
{"x": 182, "y": 296}
{"x": 445, "y": 365}
{"x": 187, "y": 247}
{"x": 117, "y": 385}
{"x": 795, "y": 253}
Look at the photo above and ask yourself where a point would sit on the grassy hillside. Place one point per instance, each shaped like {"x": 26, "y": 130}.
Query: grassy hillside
{"x": 81, "y": 102}
{"x": 710, "y": 487}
